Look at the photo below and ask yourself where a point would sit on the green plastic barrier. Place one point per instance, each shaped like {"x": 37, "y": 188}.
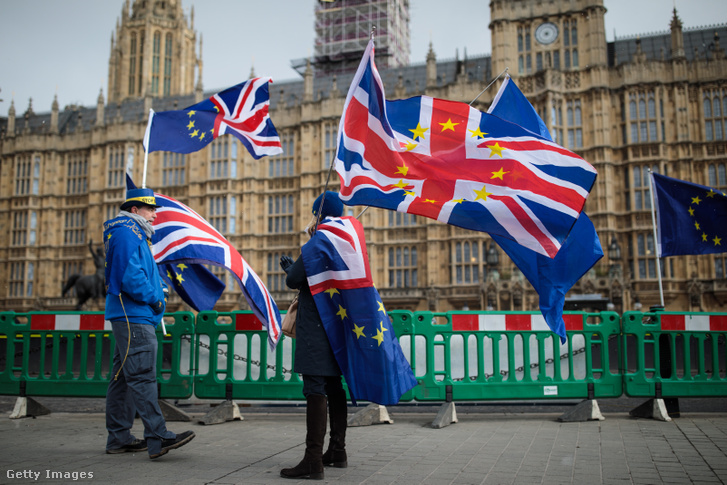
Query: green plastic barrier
{"x": 234, "y": 360}
{"x": 488, "y": 356}
{"x": 669, "y": 354}
{"x": 70, "y": 354}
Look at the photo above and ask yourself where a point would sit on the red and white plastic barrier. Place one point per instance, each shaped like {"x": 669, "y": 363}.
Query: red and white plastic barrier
{"x": 510, "y": 323}
{"x": 694, "y": 323}
{"x": 46, "y": 321}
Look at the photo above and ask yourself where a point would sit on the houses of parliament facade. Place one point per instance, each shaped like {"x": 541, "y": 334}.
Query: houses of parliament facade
{"x": 652, "y": 102}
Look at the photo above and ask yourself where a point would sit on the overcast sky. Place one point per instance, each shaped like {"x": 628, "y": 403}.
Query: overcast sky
{"x": 62, "y": 47}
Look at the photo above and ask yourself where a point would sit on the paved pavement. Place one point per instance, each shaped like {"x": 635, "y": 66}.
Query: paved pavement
{"x": 483, "y": 447}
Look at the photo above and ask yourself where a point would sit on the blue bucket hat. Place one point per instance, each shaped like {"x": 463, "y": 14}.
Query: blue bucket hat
{"x": 139, "y": 197}
{"x": 332, "y": 205}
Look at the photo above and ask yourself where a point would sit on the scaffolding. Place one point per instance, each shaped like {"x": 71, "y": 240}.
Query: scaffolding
{"x": 343, "y": 29}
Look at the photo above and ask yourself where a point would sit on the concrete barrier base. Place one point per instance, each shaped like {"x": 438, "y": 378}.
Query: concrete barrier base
{"x": 172, "y": 412}
{"x": 371, "y": 414}
{"x": 27, "y": 407}
{"x": 586, "y": 410}
{"x": 653, "y": 409}
{"x": 447, "y": 415}
{"x": 227, "y": 411}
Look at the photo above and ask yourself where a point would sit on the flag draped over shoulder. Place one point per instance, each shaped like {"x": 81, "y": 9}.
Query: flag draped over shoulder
{"x": 690, "y": 218}
{"x": 551, "y": 278}
{"x": 184, "y": 238}
{"x": 358, "y": 327}
{"x": 241, "y": 111}
{"x": 450, "y": 162}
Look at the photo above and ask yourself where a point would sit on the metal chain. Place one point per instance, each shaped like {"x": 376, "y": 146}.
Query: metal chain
{"x": 550, "y": 360}
{"x": 237, "y": 357}
{"x": 32, "y": 350}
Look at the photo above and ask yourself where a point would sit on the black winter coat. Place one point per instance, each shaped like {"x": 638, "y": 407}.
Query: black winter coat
{"x": 313, "y": 354}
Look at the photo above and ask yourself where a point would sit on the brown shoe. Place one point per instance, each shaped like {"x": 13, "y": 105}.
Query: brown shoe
{"x": 171, "y": 444}
{"x": 134, "y": 446}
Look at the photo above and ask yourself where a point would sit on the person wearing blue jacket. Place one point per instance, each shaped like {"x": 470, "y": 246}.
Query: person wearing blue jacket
{"x": 135, "y": 303}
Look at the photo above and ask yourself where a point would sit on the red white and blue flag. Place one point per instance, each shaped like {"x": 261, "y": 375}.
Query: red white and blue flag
{"x": 450, "y": 162}
{"x": 183, "y": 236}
{"x": 241, "y": 111}
{"x": 353, "y": 315}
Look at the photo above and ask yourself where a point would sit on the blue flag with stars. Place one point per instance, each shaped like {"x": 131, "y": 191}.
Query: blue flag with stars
{"x": 358, "y": 327}
{"x": 241, "y": 111}
{"x": 690, "y": 218}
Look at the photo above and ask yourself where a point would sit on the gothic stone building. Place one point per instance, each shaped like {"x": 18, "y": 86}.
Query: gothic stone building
{"x": 657, "y": 101}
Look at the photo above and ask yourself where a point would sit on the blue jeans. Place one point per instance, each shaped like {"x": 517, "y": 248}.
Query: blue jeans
{"x": 135, "y": 389}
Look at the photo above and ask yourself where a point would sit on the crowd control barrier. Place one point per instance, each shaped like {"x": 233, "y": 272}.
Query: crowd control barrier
{"x": 70, "y": 354}
{"x": 672, "y": 355}
{"x": 456, "y": 356}
{"x": 234, "y": 360}
{"x": 507, "y": 356}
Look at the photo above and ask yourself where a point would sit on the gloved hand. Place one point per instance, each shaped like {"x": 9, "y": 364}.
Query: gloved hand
{"x": 158, "y": 307}
{"x": 286, "y": 262}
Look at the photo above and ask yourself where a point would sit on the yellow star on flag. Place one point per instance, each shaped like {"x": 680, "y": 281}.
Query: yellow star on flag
{"x": 201, "y": 136}
{"x": 179, "y": 278}
{"x": 430, "y": 201}
{"x": 691, "y": 212}
{"x": 704, "y": 237}
{"x": 711, "y": 193}
{"x": 482, "y": 194}
{"x": 448, "y": 125}
{"x": 331, "y": 292}
{"x": 457, "y": 201}
{"x": 410, "y": 146}
{"x": 499, "y": 174}
{"x": 495, "y": 149}
{"x": 717, "y": 241}
{"x": 359, "y": 331}
{"x": 401, "y": 184}
{"x": 191, "y": 113}
{"x": 696, "y": 200}
{"x": 182, "y": 266}
{"x": 419, "y": 132}
{"x": 383, "y": 329}
{"x": 477, "y": 133}
{"x": 409, "y": 192}
{"x": 194, "y": 134}
{"x": 341, "y": 312}
{"x": 379, "y": 337}
{"x": 169, "y": 275}
{"x": 402, "y": 170}
{"x": 696, "y": 226}
{"x": 190, "y": 125}
{"x": 381, "y": 306}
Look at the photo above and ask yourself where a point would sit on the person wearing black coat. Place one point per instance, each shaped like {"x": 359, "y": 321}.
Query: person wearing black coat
{"x": 314, "y": 359}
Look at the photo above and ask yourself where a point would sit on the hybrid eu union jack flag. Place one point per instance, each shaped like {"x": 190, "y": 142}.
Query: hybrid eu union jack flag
{"x": 241, "y": 111}
{"x": 353, "y": 315}
{"x": 450, "y": 162}
{"x": 183, "y": 236}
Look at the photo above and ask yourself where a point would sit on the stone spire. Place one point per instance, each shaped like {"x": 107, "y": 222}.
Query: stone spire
{"x": 431, "y": 67}
{"x": 54, "y": 115}
{"x": 677, "y": 37}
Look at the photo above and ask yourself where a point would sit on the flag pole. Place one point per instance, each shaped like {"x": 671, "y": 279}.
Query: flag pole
{"x": 146, "y": 147}
{"x": 488, "y": 86}
{"x": 656, "y": 240}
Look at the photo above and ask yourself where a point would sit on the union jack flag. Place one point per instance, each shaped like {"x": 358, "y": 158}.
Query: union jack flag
{"x": 241, "y": 111}
{"x": 183, "y": 236}
{"x": 353, "y": 315}
{"x": 450, "y": 162}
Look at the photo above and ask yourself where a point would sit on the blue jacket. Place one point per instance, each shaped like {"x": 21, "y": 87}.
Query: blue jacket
{"x": 132, "y": 275}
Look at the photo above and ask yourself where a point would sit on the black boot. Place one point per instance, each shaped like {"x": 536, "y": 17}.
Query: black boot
{"x": 311, "y": 466}
{"x": 338, "y": 412}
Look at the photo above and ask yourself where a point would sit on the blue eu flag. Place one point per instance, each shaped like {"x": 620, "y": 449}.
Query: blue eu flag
{"x": 551, "y": 278}
{"x": 690, "y": 218}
